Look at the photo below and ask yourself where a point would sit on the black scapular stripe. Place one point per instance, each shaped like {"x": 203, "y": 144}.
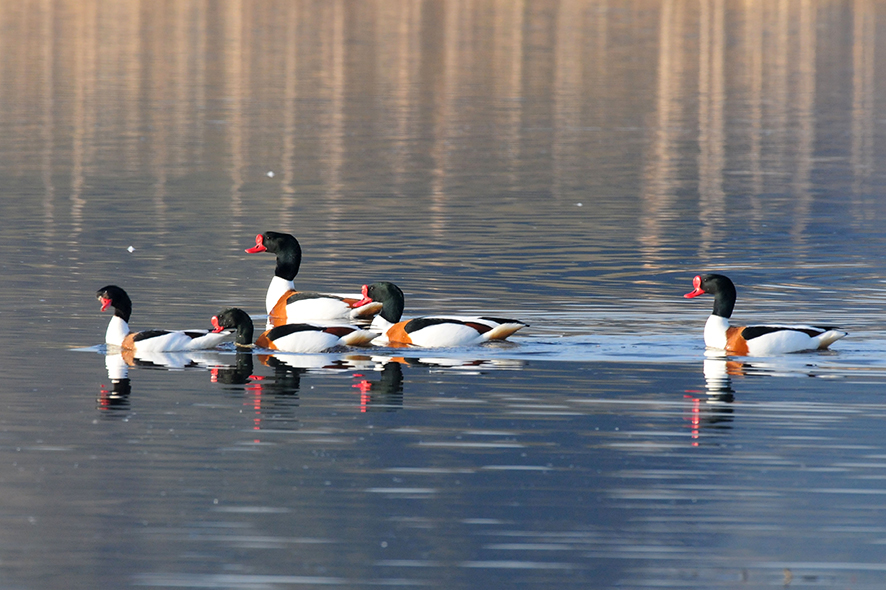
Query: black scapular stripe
{"x": 287, "y": 329}
{"x": 419, "y": 323}
{"x": 301, "y": 296}
{"x": 503, "y": 320}
{"x": 752, "y": 332}
{"x": 145, "y": 334}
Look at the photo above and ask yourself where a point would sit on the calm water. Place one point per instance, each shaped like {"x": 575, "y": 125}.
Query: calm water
{"x": 569, "y": 163}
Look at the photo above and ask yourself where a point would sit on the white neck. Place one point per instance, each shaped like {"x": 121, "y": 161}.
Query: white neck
{"x": 118, "y": 329}
{"x": 380, "y": 324}
{"x": 276, "y": 289}
{"x": 715, "y": 331}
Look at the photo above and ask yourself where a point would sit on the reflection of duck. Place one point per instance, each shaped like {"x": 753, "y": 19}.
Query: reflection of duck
{"x": 286, "y": 305}
{"x": 240, "y": 373}
{"x": 384, "y": 395}
{"x": 264, "y": 397}
{"x": 718, "y": 371}
{"x": 753, "y": 340}
{"x": 118, "y": 364}
{"x": 178, "y": 359}
{"x": 325, "y": 362}
{"x": 713, "y": 412}
{"x": 118, "y": 333}
{"x": 286, "y": 379}
{"x": 470, "y": 366}
{"x": 116, "y": 395}
{"x": 290, "y": 337}
{"x": 430, "y": 331}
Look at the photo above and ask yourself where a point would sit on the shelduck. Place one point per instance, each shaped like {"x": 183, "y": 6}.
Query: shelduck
{"x": 284, "y": 304}
{"x": 754, "y": 340}
{"x": 118, "y": 334}
{"x": 430, "y": 331}
{"x": 290, "y": 337}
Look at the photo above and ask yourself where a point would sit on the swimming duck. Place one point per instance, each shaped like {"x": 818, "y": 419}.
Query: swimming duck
{"x": 118, "y": 333}
{"x": 284, "y": 304}
{"x": 290, "y": 337}
{"x": 430, "y": 331}
{"x": 754, "y": 340}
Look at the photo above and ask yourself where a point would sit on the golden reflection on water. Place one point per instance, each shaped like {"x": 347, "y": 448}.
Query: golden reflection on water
{"x": 765, "y": 55}
{"x": 863, "y": 76}
{"x": 438, "y": 99}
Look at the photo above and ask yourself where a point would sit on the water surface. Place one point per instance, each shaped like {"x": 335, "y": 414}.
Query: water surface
{"x": 572, "y": 164}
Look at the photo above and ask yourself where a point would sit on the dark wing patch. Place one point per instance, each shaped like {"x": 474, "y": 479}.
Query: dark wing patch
{"x": 503, "y": 320}
{"x": 302, "y": 295}
{"x": 752, "y": 332}
{"x": 287, "y": 329}
{"x": 338, "y": 330}
{"x": 419, "y": 323}
{"x": 145, "y": 334}
{"x": 481, "y": 328}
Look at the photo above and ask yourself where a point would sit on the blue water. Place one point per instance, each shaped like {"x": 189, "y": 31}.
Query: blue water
{"x": 570, "y": 164}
